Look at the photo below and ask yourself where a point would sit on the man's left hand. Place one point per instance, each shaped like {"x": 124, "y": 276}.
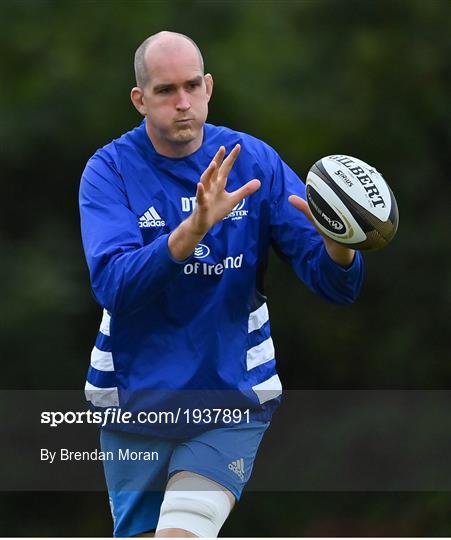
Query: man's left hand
{"x": 337, "y": 252}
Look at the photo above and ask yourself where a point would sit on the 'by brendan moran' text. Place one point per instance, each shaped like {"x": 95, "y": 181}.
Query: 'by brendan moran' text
{"x": 121, "y": 454}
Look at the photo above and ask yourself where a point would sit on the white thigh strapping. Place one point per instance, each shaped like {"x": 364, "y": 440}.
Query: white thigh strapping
{"x": 194, "y": 504}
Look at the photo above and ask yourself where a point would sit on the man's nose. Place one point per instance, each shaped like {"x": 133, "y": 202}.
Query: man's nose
{"x": 183, "y": 103}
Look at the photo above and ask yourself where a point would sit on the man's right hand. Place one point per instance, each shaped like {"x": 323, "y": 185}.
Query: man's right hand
{"x": 214, "y": 203}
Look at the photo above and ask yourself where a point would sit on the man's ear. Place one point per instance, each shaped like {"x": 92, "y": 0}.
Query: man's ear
{"x": 137, "y": 95}
{"x": 209, "y": 84}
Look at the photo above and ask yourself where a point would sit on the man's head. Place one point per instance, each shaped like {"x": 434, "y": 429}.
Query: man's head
{"x": 172, "y": 92}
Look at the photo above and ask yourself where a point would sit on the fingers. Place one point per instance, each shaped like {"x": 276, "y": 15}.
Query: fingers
{"x": 219, "y": 167}
{"x": 248, "y": 189}
{"x": 219, "y": 156}
{"x": 227, "y": 165}
{"x": 301, "y": 205}
{"x": 339, "y": 253}
{"x": 216, "y": 163}
{"x": 200, "y": 194}
{"x": 209, "y": 172}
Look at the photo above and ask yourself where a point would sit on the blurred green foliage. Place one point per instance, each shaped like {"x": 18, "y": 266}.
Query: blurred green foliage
{"x": 310, "y": 77}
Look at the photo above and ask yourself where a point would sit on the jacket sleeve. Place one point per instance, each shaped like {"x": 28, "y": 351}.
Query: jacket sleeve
{"x": 125, "y": 274}
{"x": 297, "y": 240}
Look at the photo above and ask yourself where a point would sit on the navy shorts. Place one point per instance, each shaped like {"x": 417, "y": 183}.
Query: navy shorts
{"x": 140, "y": 467}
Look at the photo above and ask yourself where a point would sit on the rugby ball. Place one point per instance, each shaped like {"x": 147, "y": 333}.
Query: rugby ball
{"x": 351, "y": 202}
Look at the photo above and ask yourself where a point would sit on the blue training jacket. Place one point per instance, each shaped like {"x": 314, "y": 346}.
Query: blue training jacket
{"x": 203, "y": 323}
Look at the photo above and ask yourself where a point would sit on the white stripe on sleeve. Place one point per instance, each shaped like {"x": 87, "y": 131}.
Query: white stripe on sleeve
{"x": 258, "y": 318}
{"x": 261, "y": 353}
{"x": 101, "y": 360}
{"x": 102, "y": 397}
{"x": 105, "y": 324}
{"x": 269, "y": 389}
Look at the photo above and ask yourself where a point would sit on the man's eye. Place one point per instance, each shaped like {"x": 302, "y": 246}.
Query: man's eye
{"x": 163, "y": 91}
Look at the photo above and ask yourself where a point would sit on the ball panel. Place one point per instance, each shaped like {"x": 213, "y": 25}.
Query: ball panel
{"x": 363, "y": 183}
{"x": 323, "y": 213}
{"x": 359, "y": 204}
{"x": 352, "y": 207}
{"x": 332, "y": 217}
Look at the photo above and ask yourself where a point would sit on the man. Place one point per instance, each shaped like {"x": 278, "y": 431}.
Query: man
{"x": 177, "y": 261}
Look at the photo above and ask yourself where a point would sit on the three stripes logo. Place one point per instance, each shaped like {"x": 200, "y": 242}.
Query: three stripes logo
{"x": 151, "y": 218}
{"x": 237, "y": 467}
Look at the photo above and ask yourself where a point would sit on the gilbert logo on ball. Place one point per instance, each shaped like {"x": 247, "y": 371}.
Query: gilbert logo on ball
{"x": 352, "y": 203}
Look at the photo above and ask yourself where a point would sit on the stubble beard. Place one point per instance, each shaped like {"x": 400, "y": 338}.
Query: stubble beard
{"x": 183, "y": 139}
{"x": 184, "y": 135}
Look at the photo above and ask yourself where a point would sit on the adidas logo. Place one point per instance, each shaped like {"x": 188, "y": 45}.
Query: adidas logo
{"x": 151, "y": 218}
{"x": 237, "y": 467}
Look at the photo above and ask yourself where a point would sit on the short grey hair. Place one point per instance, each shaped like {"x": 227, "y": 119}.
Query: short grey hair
{"x": 141, "y": 71}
